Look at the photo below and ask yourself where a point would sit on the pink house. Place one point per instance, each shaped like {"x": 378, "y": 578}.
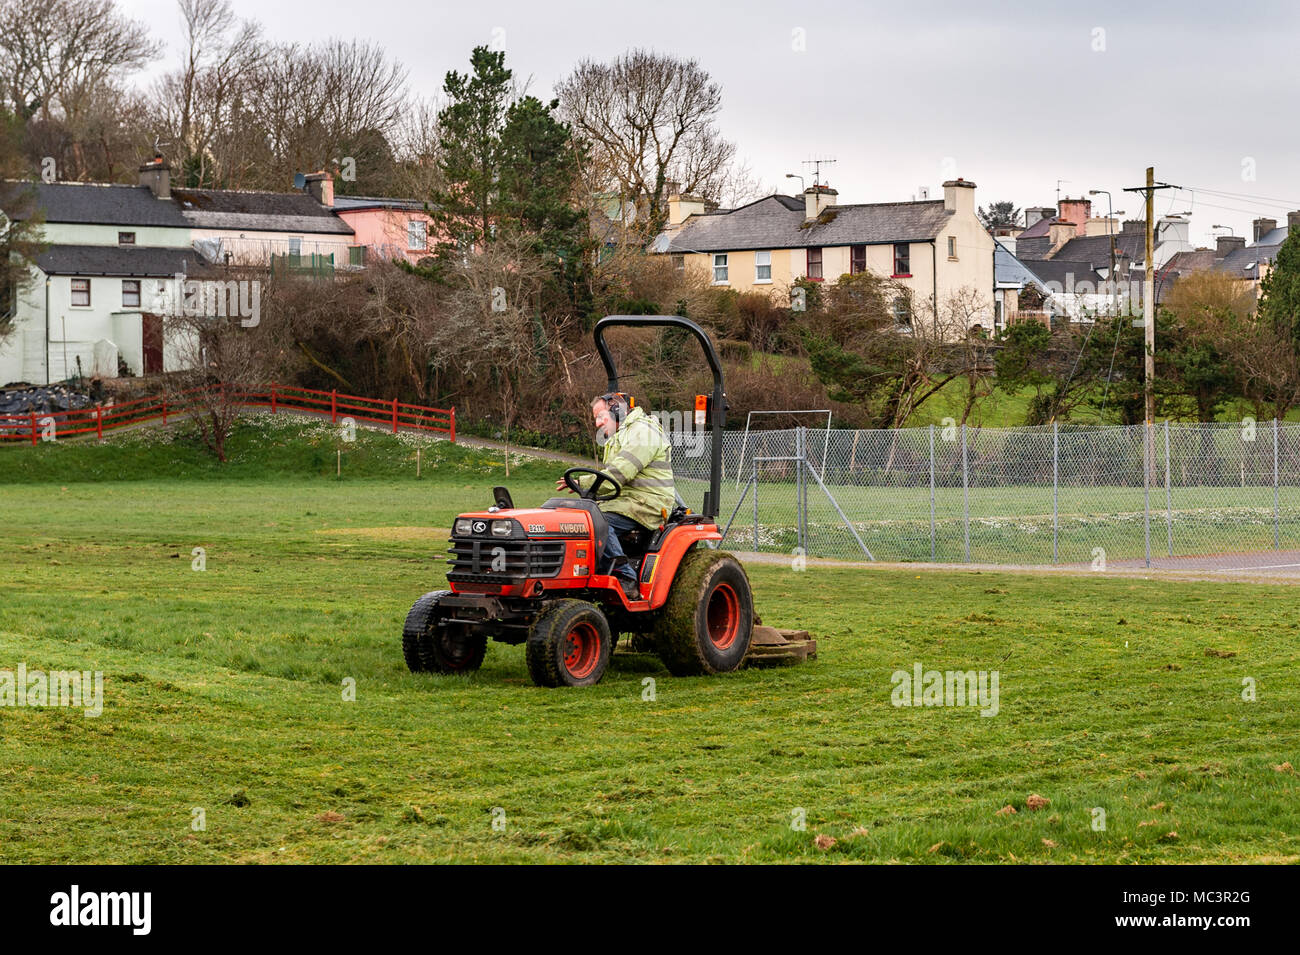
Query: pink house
{"x": 388, "y": 228}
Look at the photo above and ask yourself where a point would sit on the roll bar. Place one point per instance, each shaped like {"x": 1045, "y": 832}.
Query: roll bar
{"x": 717, "y": 417}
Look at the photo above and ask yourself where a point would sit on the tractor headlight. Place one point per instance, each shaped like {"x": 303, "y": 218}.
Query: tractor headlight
{"x": 462, "y": 527}
{"x": 503, "y": 528}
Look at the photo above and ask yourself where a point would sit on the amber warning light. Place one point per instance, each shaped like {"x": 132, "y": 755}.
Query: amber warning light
{"x": 701, "y": 410}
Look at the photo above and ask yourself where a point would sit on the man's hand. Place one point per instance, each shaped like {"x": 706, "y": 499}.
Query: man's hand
{"x": 561, "y": 486}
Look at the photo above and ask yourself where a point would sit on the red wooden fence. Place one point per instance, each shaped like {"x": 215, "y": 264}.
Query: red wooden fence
{"x": 389, "y": 412}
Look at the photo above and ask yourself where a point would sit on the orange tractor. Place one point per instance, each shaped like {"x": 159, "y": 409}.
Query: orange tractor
{"x": 528, "y": 575}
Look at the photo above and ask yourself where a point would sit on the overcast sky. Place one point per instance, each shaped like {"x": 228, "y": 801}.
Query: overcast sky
{"x": 1013, "y": 96}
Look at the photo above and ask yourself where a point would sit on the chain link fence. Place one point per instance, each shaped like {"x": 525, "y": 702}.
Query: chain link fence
{"x": 1005, "y": 496}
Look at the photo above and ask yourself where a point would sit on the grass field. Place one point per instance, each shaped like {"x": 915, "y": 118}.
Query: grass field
{"x": 224, "y": 691}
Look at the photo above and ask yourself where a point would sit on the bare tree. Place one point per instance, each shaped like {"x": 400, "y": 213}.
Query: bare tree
{"x": 649, "y": 120}
{"x": 220, "y": 363}
{"x": 491, "y": 327}
{"x": 57, "y": 59}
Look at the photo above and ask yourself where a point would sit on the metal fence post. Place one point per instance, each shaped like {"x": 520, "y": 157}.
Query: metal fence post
{"x": 799, "y": 489}
{"x": 1169, "y": 499}
{"x": 1146, "y": 491}
{"x": 1277, "y": 530}
{"x": 1056, "y": 475}
{"x": 932, "y": 551}
{"x": 965, "y": 496}
{"x": 754, "y": 479}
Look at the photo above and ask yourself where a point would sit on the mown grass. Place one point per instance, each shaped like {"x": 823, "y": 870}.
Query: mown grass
{"x": 224, "y": 691}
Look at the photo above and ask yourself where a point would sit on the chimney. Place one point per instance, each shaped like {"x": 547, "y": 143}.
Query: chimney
{"x": 1060, "y": 233}
{"x": 1262, "y": 227}
{"x": 1101, "y": 225}
{"x": 959, "y": 196}
{"x": 816, "y": 199}
{"x": 157, "y": 175}
{"x": 321, "y": 187}
{"x": 1292, "y": 222}
{"x": 1227, "y": 244}
{"x": 1078, "y": 211}
{"x": 1134, "y": 226}
{"x": 680, "y": 208}
{"x": 1037, "y": 213}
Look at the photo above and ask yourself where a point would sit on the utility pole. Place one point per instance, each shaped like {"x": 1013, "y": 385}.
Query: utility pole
{"x": 1149, "y": 303}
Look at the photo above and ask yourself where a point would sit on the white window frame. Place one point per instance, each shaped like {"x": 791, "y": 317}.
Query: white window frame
{"x": 952, "y": 248}
{"x": 720, "y": 269}
{"x": 295, "y": 245}
{"x": 417, "y": 235}
{"x": 760, "y": 265}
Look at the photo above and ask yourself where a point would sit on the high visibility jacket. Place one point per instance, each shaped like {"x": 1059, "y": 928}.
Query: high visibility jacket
{"x": 639, "y": 457}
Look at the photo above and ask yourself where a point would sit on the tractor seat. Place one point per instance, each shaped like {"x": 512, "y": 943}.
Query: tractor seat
{"x": 599, "y": 526}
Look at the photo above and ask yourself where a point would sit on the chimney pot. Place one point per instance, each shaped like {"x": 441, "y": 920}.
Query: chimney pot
{"x": 157, "y": 175}
{"x": 1225, "y": 244}
{"x": 320, "y": 185}
{"x": 1262, "y": 227}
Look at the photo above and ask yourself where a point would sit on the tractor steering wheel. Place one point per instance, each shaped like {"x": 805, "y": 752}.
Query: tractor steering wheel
{"x": 589, "y": 494}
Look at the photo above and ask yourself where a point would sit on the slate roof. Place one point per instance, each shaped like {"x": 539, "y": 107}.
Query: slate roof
{"x": 1039, "y": 229}
{"x": 257, "y": 211}
{"x": 126, "y": 261}
{"x": 352, "y": 203}
{"x": 1064, "y": 272}
{"x": 775, "y": 223}
{"x": 94, "y": 204}
{"x": 1095, "y": 249}
{"x": 1244, "y": 263}
{"x": 1009, "y": 270}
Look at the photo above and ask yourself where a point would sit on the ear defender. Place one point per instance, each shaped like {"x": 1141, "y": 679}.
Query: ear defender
{"x": 619, "y": 404}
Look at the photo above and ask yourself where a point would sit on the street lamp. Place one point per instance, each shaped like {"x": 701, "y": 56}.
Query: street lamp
{"x": 1228, "y": 227}
{"x": 792, "y": 175}
{"x": 1110, "y": 231}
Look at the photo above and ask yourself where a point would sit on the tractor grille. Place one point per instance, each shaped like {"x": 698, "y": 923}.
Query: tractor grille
{"x": 489, "y": 560}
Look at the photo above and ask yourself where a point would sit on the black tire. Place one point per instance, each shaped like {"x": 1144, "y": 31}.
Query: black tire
{"x": 708, "y": 620}
{"x": 569, "y": 645}
{"x": 430, "y": 645}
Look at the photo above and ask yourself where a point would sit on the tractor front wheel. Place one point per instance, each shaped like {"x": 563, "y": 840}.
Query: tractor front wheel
{"x": 569, "y": 645}
{"x": 708, "y": 620}
{"x": 429, "y": 644}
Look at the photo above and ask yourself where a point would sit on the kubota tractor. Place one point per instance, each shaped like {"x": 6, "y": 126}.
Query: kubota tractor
{"x": 528, "y": 575}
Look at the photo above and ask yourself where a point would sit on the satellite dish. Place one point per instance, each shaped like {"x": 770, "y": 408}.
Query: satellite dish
{"x": 299, "y": 180}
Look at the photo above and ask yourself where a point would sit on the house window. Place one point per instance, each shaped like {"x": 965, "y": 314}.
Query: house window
{"x": 902, "y": 260}
{"x": 679, "y": 263}
{"x": 81, "y": 292}
{"x": 126, "y": 238}
{"x": 902, "y": 310}
{"x": 720, "y": 268}
{"x": 815, "y": 265}
{"x": 762, "y": 266}
{"x": 952, "y": 247}
{"x": 295, "y": 245}
{"x": 417, "y": 234}
{"x": 857, "y": 259}
{"x": 130, "y": 293}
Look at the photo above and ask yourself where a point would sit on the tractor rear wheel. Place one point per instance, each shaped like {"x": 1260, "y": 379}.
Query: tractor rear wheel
{"x": 708, "y": 620}
{"x": 569, "y": 645}
{"x": 428, "y": 644}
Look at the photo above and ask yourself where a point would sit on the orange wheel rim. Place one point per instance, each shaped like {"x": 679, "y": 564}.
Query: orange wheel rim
{"x": 723, "y": 616}
{"x": 582, "y": 651}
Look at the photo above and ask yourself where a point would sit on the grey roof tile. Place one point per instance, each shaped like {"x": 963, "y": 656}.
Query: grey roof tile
{"x": 126, "y": 261}
{"x": 95, "y": 204}
{"x": 257, "y": 211}
{"x": 778, "y": 223}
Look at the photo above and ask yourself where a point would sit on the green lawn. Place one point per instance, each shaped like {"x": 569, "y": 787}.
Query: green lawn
{"x": 224, "y": 692}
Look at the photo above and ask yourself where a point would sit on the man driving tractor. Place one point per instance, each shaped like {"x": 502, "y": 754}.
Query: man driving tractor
{"x": 637, "y": 454}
